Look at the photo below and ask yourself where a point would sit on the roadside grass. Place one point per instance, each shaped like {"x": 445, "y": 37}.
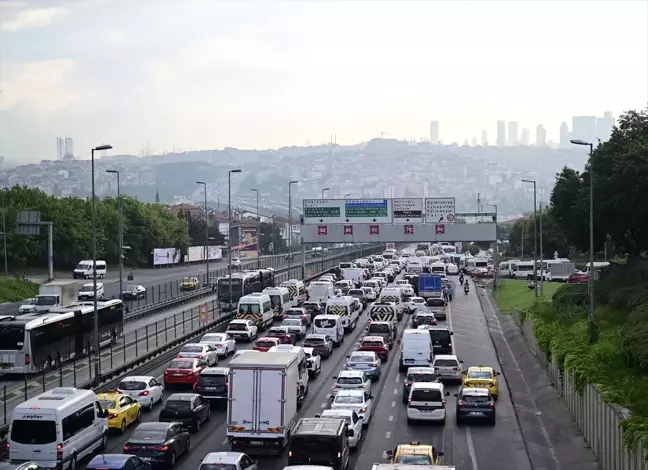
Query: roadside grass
{"x": 516, "y": 295}
{"x": 12, "y": 290}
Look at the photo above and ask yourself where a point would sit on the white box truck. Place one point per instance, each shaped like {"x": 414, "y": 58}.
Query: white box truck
{"x": 262, "y": 402}
{"x": 56, "y": 294}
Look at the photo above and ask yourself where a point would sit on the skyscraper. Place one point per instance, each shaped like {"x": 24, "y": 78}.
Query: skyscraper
{"x": 524, "y": 140}
{"x": 484, "y": 139}
{"x": 434, "y": 132}
{"x": 501, "y": 133}
{"x": 473, "y": 142}
{"x": 584, "y": 128}
{"x": 604, "y": 126}
{"x": 541, "y": 136}
{"x": 513, "y": 133}
{"x": 69, "y": 148}
{"x": 60, "y": 148}
{"x": 564, "y": 135}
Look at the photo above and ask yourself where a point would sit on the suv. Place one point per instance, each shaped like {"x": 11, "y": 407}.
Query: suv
{"x": 212, "y": 384}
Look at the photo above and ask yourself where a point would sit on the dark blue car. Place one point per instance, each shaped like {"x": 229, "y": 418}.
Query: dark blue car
{"x": 117, "y": 462}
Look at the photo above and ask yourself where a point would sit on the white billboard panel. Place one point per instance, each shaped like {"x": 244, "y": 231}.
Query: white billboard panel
{"x": 196, "y": 253}
{"x": 162, "y": 256}
{"x": 407, "y": 211}
{"x": 215, "y": 252}
{"x": 440, "y": 210}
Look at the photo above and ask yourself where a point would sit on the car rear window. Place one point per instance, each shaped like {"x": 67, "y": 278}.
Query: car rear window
{"x": 480, "y": 374}
{"x": 237, "y": 327}
{"x": 192, "y": 349}
{"x": 445, "y": 363}
{"x": 211, "y": 380}
{"x": 178, "y": 405}
{"x": 33, "y": 432}
{"x": 314, "y": 341}
{"x": 426, "y": 395}
{"x": 372, "y": 344}
{"x": 476, "y": 399}
{"x": 181, "y": 365}
{"x": 378, "y": 328}
{"x": 132, "y": 385}
{"x": 421, "y": 377}
{"x": 439, "y": 335}
{"x": 266, "y": 344}
{"x": 349, "y": 380}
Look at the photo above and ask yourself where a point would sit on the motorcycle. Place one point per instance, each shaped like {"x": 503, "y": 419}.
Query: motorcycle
{"x": 466, "y": 289}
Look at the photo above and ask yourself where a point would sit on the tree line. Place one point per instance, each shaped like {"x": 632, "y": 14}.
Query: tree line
{"x": 620, "y": 185}
{"x": 146, "y": 226}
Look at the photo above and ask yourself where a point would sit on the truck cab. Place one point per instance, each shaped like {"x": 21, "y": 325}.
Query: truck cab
{"x": 55, "y": 294}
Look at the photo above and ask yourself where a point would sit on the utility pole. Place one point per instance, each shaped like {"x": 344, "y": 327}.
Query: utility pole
{"x": 121, "y": 236}
{"x": 229, "y": 225}
{"x": 290, "y": 234}
{"x": 258, "y": 235}
{"x": 535, "y": 236}
{"x": 206, "y": 249}
{"x": 542, "y": 271}
{"x": 4, "y": 233}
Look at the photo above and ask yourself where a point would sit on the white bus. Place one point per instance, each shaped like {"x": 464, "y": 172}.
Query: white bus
{"x": 474, "y": 263}
{"x": 524, "y": 270}
{"x": 36, "y": 341}
{"x": 256, "y": 307}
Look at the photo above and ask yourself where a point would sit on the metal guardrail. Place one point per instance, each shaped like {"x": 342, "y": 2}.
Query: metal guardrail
{"x": 169, "y": 349}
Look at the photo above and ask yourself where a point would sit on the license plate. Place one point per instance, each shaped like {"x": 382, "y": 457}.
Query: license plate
{"x": 256, "y": 443}
{"x": 210, "y": 388}
{"x": 427, "y": 411}
{"x": 409, "y": 360}
{"x": 475, "y": 413}
{"x": 177, "y": 375}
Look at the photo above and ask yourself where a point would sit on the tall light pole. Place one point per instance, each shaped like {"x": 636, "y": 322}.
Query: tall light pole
{"x": 206, "y": 250}
{"x": 290, "y": 234}
{"x": 535, "y": 236}
{"x": 121, "y": 235}
{"x": 229, "y": 225}
{"x": 95, "y": 315}
{"x": 274, "y": 236}
{"x": 590, "y": 280}
{"x": 496, "y": 278}
{"x": 258, "y": 234}
{"x": 542, "y": 271}
{"x": 4, "y": 232}
{"x": 324, "y": 189}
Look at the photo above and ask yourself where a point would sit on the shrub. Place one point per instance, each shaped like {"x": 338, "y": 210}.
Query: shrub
{"x": 12, "y": 290}
{"x": 634, "y": 338}
{"x": 570, "y": 295}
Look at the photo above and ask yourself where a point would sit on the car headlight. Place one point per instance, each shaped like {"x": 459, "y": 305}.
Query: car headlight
{"x": 363, "y": 410}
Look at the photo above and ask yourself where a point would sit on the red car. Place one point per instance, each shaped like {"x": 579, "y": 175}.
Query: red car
{"x": 264, "y": 344}
{"x": 578, "y": 278}
{"x": 376, "y": 344}
{"x": 282, "y": 334}
{"x": 183, "y": 371}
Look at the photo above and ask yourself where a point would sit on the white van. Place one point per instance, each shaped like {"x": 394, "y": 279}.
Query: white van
{"x": 392, "y": 295}
{"x": 438, "y": 268}
{"x": 84, "y": 269}
{"x": 256, "y": 307}
{"x": 524, "y": 270}
{"x": 303, "y": 363}
{"x": 320, "y": 291}
{"x": 355, "y": 275}
{"x": 296, "y": 289}
{"x": 280, "y": 300}
{"x": 344, "y": 307}
{"x": 330, "y": 325}
{"x": 415, "y": 349}
{"x": 57, "y": 428}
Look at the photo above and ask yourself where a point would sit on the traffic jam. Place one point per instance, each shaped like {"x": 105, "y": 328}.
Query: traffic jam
{"x": 259, "y": 371}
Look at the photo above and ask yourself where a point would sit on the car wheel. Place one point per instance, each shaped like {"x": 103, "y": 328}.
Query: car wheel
{"x": 73, "y": 463}
{"x": 196, "y": 426}
{"x": 104, "y": 441}
{"x": 139, "y": 416}
{"x": 172, "y": 460}
{"x": 208, "y": 415}
{"x": 122, "y": 427}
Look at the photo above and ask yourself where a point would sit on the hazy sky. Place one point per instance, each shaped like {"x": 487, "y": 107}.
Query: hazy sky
{"x": 210, "y": 74}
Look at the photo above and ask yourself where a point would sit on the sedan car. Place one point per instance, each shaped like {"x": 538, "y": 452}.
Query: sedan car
{"x": 475, "y": 404}
{"x": 145, "y": 389}
{"x": 323, "y": 344}
{"x": 222, "y": 342}
{"x": 578, "y": 278}
{"x": 482, "y": 377}
{"x": 447, "y": 367}
{"x": 117, "y": 462}
{"x": 189, "y": 409}
{"x": 423, "y": 318}
{"x": 285, "y": 335}
{"x": 199, "y": 351}
{"x": 122, "y": 410}
{"x": 312, "y": 308}
{"x": 236, "y": 263}
{"x": 158, "y": 443}
{"x": 183, "y": 372}
{"x": 356, "y": 400}
{"x": 242, "y": 330}
{"x": 133, "y": 292}
{"x": 354, "y": 423}
{"x": 227, "y": 461}
{"x": 264, "y": 344}
{"x": 377, "y": 344}
{"x": 314, "y": 361}
{"x": 351, "y": 380}
{"x": 367, "y": 361}
{"x": 295, "y": 326}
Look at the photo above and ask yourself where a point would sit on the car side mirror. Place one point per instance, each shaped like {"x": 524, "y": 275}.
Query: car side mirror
{"x": 440, "y": 454}
{"x": 389, "y": 453}
{"x": 348, "y": 357}
{"x": 350, "y": 433}
{"x": 460, "y": 362}
{"x": 463, "y": 372}
{"x": 497, "y": 373}
{"x": 456, "y": 395}
{"x": 447, "y": 394}
{"x": 335, "y": 378}
{"x": 398, "y": 342}
{"x": 318, "y": 416}
{"x": 451, "y": 333}
{"x": 371, "y": 397}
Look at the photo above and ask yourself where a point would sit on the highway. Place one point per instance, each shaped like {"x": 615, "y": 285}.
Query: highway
{"x": 163, "y": 282}
{"x": 467, "y": 447}
{"x": 139, "y": 337}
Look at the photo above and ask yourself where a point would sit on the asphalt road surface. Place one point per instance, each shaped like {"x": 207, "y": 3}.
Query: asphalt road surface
{"x": 469, "y": 447}
{"x": 164, "y": 283}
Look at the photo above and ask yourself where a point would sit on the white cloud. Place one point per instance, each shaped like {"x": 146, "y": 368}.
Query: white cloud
{"x": 34, "y": 18}
{"x": 45, "y": 85}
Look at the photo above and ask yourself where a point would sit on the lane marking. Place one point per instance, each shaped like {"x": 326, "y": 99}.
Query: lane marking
{"x": 397, "y": 378}
{"x": 323, "y": 405}
{"x": 391, "y": 418}
{"x": 393, "y": 403}
{"x": 395, "y": 391}
{"x": 225, "y": 442}
{"x": 388, "y": 434}
{"x": 471, "y": 449}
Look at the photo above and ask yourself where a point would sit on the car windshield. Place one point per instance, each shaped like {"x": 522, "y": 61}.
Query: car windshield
{"x": 192, "y": 349}
{"x": 148, "y": 435}
{"x": 417, "y": 459}
{"x": 108, "y": 404}
{"x": 429, "y": 377}
{"x": 249, "y": 308}
{"x": 439, "y": 335}
{"x": 349, "y": 381}
{"x": 356, "y": 292}
{"x": 315, "y": 341}
{"x": 276, "y": 332}
{"x": 132, "y": 288}
{"x": 349, "y": 400}
{"x": 132, "y": 385}
{"x": 237, "y": 327}
{"x": 187, "y": 279}
{"x": 418, "y": 301}
{"x": 324, "y": 323}
{"x": 372, "y": 344}
{"x": 446, "y": 363}
{"x": 480, "y": 374}
{"x": 297, "y": 313}
{"x": 361, "y": 358}
{"x": 367, "y": 290}
{"x": 181, "y": 365}
{"x": 88, "y": 288}
{"x": 34, "y": 432}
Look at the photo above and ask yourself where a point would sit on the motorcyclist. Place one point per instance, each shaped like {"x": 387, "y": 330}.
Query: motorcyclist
{"x": 461, "y": 278}
{"x": 466, "y": 286}
{"x": 450, "y": 293}
{"x": 445, "y": 294}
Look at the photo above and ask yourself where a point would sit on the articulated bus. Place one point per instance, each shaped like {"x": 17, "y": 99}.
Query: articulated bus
{"x": 242, "y": 284}
{"x": 36, "y": 341}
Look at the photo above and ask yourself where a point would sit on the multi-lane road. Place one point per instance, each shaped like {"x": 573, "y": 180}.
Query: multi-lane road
{"x": 501, "y": 447}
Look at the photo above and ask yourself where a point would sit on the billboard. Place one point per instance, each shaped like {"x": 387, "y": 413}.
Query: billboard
{"x": 196, "y": 253}
{"x": 215, "y": 252}
{"x": 248, "y": 239}
{"x": 162, "y": 256}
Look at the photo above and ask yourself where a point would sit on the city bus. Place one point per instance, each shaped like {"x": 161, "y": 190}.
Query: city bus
{"x": 36, "y": 341}
{"x": 242, "y": 284}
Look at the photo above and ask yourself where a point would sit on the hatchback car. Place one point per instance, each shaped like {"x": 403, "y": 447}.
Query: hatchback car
{"x": 295, "y": 326}
{"x": 122, "y": 410}
{"x": 189, "y": 409}
{"x": 377, "y": 344}
{"x": 323, "y": 344}
{"x": 475, "y": 404}
{"x": 414, "y": 304}
{"x": 242, "y": 330}
{"x": 183, "y": 372}
{"x": 427, "y": 402}
{"x": 415, "y": 453}
{"x": 482, "y": 377}
{"x": 414, "y": 375}
{"x": 351, "y": 380}
{"x": 227, "y": 461}
{"x": 314, "y": 362}
{"x": 158, "y": 443}
{"x": 298, "y": 313}
{"x": 213, "y": 384}
{"x": 264, "y": 344}
{"x": 284, "y": 334}
{"x": 366, "y": 361}
{"x": 423, "y": 318}
{"x": 447, "y": 368}
{"x": 356, "y": 400}
{"x": 145, "y": 389}
{"x": 222, "y": 342}
{"x": 199, "y": 351}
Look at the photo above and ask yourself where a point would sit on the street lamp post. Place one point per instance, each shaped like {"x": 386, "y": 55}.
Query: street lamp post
{"x": 535, "y": 237}
{"x": 324, "y": 189}
{"x": 206, "y": 250}
{"x": 258, "y": 235}
{"x": 121, "y": 235}
{"x": 4, "y": 233}
{"x": 590, "y": 280}
{"x": 95, "y": 315}
{"x": 542, "y": 271}
{"x": 229, "y": 225}
{"x": 496, "y": 278}
{"x": 290, "y": 234}
{"x": 274, "y": 236}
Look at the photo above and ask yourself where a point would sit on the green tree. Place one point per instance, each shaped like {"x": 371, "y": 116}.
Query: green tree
{"x": 553, "y": 238}
{"x": 268, "y": 238}
{"x": 570, "y": 207}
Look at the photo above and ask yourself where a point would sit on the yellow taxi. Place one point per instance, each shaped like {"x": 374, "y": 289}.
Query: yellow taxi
{"x": 482, "y": 377}
{"x": 190, "y": 283}
{"x": 122, "y": 409}
{"x": 415, "y": 453}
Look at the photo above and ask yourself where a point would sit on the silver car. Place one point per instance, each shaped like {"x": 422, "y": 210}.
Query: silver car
{"x": 366, "y": 361}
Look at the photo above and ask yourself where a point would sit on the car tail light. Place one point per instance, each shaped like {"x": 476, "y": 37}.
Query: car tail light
{"x": 492, "y": 404}
{"x": 127, "y": 447}
{"x": 409, "y": 402}
{"x": 334, "y": 387}
{"x": 457, "y": 369}
{"x": 461, "y": 403}
{"x": 145, "y": 393}
{"x": 443, "y": 403}
{"x": 27, "y": 359}
{"x": 161, "y": 448}
{"x": 59, "y": 451}
{"x": 362, "y": 386}
{"x": 200, "y": 356}
{"x": 219, "y": 345}
{"x": 179, "y": 356}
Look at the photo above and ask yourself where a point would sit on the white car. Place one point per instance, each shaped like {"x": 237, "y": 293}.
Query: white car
{"x": 199, "y": 351}
{"x": 236, "y": 263}
{"x": 402, "y": 282}
{"x": 382, "y": 281}
{"x": 447, "y": 367}
{"x": 26, "y": 307}
{"x": 87, "y": 291}
{"x": 369, "y": 293}
{"x": 452, "y": 269}
{"x": 427, "y": 402}
{"x": 296, "y": 326}
{"x": 351, "y": 380}
{"x": 242, "y": 330}
{"x": 229, "y": 460}
{"x": 356, "y": 400}
{"x": 145, "y": 389}
{"x": 414, "y": 304}
{"x": 222, "y": 342}
{"x": 314, "y": 362}
{"x": 354, "y": 422}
